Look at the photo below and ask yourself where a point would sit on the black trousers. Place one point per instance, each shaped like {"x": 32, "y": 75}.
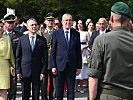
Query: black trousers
{"x": 44, "y": 84}
{"x": 13, "y": 88}
{"x": 26, "y": 87}
{"x": 67, "y": 75}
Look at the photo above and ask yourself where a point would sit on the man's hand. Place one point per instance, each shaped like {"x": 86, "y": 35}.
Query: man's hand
{"x": 54, "y": 71}
{"x": 78, "y": 72}
{"x": 19, "y": 76}
{"x": 42, "y": 76}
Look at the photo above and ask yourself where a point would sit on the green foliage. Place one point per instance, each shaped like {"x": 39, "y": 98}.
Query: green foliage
{"x": 78, "y": 8}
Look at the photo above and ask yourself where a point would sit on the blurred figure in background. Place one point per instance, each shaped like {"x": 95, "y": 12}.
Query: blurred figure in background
{"x": 84, "y": 45}
{"x": 97, "y": 26}
{"x": 57, "y": 24}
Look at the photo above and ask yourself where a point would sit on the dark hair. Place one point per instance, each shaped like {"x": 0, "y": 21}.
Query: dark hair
{"x": 25, "y": 18}
{"x": 1, "y": 21}
{"x": 83, "y": 23}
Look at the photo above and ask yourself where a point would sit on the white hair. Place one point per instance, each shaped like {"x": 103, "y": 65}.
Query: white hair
{"x": 66, "y": 15}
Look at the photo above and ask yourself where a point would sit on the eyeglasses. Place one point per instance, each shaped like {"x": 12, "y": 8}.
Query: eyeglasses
{"x": 33, "y": 24}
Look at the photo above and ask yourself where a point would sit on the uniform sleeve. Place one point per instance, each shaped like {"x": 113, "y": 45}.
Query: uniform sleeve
{"x": 45, "y": 57}
{"x": 53, "y": 51}
{"x": 95, "y": 60}
{"x": 12, "y": 60}
{"x": 18, "y": 57}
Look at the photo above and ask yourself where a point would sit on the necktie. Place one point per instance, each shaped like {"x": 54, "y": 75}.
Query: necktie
{"x": 67, "y": 38}
{"x": 32, "y": 42}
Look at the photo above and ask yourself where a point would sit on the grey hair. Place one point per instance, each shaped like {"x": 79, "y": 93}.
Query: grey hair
{"x": 103, "y": 18}
{"x": 117, "y": 17}
{"x": 30, "y": 20}
{"x": 66, "y": 15}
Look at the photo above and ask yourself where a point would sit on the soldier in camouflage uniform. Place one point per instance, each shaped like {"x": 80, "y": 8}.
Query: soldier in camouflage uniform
{"x": 14, "y": 35}
{"x": 49, "y": 21}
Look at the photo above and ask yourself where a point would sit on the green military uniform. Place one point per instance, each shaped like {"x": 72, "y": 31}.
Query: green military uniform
{"x": 14, "y": 35}
{"x": 111, "y": 61}
{"x": 48, "y": 35}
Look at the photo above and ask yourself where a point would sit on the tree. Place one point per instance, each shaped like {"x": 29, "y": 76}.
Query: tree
{"x": 93, "y": 9}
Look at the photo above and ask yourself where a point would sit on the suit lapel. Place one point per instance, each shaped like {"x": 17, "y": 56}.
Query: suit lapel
{"x": 37, "y": 41}
{"x": 71, "y": 37}
{"x": 27, "y": 41}
{"x": 63, "y": 38}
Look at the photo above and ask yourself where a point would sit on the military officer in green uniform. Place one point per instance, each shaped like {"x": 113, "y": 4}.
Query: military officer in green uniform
{"x": 110, "y": 66}
{"x": 9, "y": 20}
{"x": 49, "y": 21}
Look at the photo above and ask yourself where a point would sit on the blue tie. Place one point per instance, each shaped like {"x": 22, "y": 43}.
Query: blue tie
{"x": 32, "y": 42}
{"x": 67, "y": 38}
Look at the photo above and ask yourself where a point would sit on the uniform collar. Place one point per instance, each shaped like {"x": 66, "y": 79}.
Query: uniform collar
{"x": 120, "y": 28}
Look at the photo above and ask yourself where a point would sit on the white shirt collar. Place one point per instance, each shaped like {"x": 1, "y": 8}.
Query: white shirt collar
{"x": 32, "y": 35}
{"x": 35, "y": 35}
{"x": 102, "y": 32}
{"x": 66, "y": 30}
{"x": 49, "y": 30}
{"x": 8, "y": 32}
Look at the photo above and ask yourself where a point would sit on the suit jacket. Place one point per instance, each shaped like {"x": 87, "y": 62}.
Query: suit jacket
{"x": 30, "y": 62}
{"x": 61, "y": 54}
{"x": 15, "y": 35}
{"x": 93, "y": 36}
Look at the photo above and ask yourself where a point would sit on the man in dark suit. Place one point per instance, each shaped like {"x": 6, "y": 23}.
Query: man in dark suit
{"x": 102, "y": 30}
{"x": 31, "y": 60}
{"x": 66, "y": 61}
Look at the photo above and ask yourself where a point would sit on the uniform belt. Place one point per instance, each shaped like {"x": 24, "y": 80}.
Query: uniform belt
{"x": 82, "y": 42}
{"x": 116, "y": 92}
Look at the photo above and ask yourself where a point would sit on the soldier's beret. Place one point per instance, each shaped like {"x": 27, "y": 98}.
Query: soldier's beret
{"x": 50, "y": 16}
{"x": 121, "y": 8}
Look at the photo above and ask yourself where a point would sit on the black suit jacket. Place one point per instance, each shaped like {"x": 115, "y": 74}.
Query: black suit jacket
{"x": 61, "y": 54}
{"x": 94, "y": 35}
{"x": 31, "y": 63}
